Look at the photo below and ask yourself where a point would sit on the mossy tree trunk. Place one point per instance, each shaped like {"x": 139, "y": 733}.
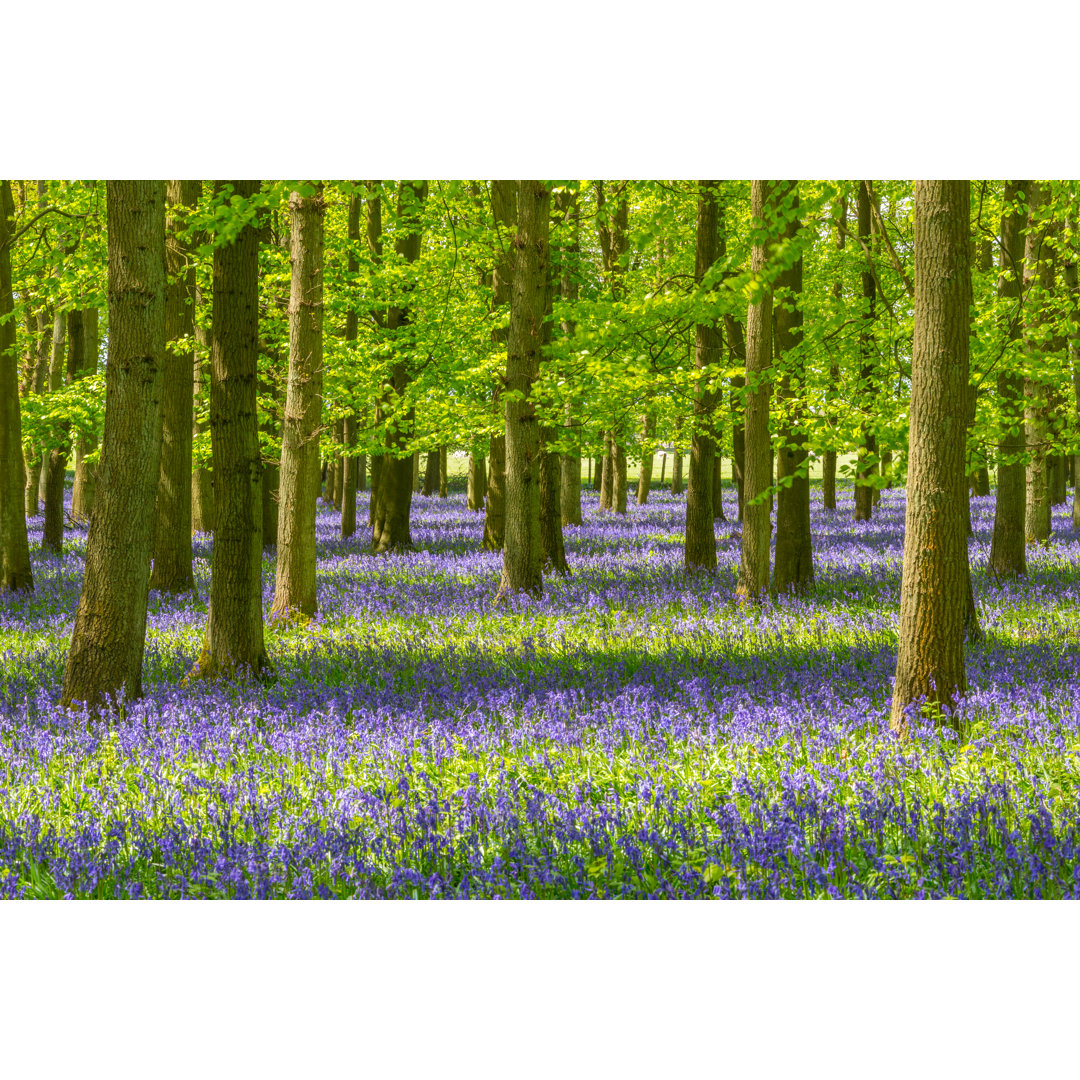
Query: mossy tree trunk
{"x": 106, "y": 652}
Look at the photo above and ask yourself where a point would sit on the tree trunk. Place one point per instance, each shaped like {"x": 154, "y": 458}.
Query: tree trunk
{"x": 54, "y": 458}
{"x": 202, "y": 477}
{"x": 566, "y": 202}
{"x": 431, "y": 473}
{"x": 348, "y": 492}
{"x": 477, "y": 482}
{"x": 551, "y": 536}
{"x": 864, "y": 489}
{"x": 1073, "y": 291}
{"x": 935, "y": 583}
{"x": 737, "y": 358}
{"x": 699, "y": 545}
{"x": 172, "y": 513}
{"x": 391, "y": 531}
{"x": 1007, "y": 557}
{"x": 84, "y": 487}
{"x": 504, "y": 194}
{"x": 234, "y": 635}
{"x": 294, "y": 587}
{"x": 522, "y": 549}
{"x": 443, "y": 478}
{"x": 619, "y": 484}
{"x": 753, "y": 580}
{"x": 828, "y": 463}
{"x": 677, "y": 471}
{"x": 1038, "y": 267}
{"x": 106, "y": 652}
{"x": 15, "y": 572}
{"x": 645, "y": 475}
{"x": 794, "y": 567}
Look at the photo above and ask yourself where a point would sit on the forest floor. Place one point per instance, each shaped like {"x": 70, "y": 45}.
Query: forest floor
{"x": 634, "y": 733}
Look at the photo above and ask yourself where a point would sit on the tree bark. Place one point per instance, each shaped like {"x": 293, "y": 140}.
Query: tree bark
{"x": 828, "y": 462}
{"x": 477, "y": 482}
{"x": 933, "y": 593}
{"x": 1007, "y": 547}
{"x": 431, "y": 473}
{"x": 106, "y": 652}
{"x": 202, "y": 478}
{"x": 566, "y": 202}
{"x": 699, "y": 544}
{"x": 396, "y": 480}
{"x": 1073, "y": 290}
{"x": 84, "y": 487}
{"x": 753, "y": 580}
{"x": 737, "y": 358}
{"x": 1038, "y": 266}
{"x": 793, "y": 570}
{"x": 864, "y": 489}
{"x": 15, "y": 571}
{"x": 54, "y": 457}
{"x": 348, "y": 494}
{"x": 504, "y": 194}
{"x": 648, "y": 429}
{"x": 294, "y": 586}
{"x": 522, "y": 549}
{"x": 172, "y": 514}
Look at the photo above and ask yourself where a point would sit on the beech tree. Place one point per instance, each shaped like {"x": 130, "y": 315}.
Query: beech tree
{"x": 234, "y": 631}
{"x": 933, "y": 592}
{"x": 106, "y": 652}
{"x": 294, "y": 589}
{"x": 522, "y": 553}
{"x": 15, "y": 571}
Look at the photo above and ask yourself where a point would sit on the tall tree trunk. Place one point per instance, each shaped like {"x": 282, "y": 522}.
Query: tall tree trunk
{"x": 431, "y": 473}
{"x": 566, "y": 203}
{"x": 477, "y": 482}
{"x": 1038, "y": 266}
{"x": 648, "y": 430}
{"x": 234, "y": 635}
{"x": 864, "y": 490}
{"x": 522, "y": 550}
{"x": 396, "y": 477}
{"x": 753, "y": 580}
{"x": 933, "y": 592}
{"x": 443, "y": 478}
{"x": 54, "y": 458}
{"x": 172, "y": 514}
{"x": 828, "y": 464}
{"x": 202, "y": 477}
{"x": 15, "y": 572}
{"x": 1007, "y": 558}
{"x": 84, "y": 487}
{"x": 699, "y": 545}
{"x": 1073, "y": 290}
{"x": 794, "y": 567}
{"x": 294, "y": 586}
{"x": 106, "y": 652}
{"x": 504, "y": 194}
{"x": 677, "y": 469}
{"x": 607, "y": 473}
{"x": 348, "y": 494}
{"x": 737, "y": 359}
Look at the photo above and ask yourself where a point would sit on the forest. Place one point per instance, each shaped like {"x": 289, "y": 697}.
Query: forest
{"x": 539, "y": 539}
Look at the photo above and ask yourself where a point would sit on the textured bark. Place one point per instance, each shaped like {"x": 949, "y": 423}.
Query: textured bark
{"x": 338, "y": 463}
{"x": 106, "y": 653}
{"x": 15, "y": 572}
{"x": 431, "y": 473}
{"x": 294, "y": 585}
{"x": 753, "y": 579}
{"x": 793, "y": 570}
{"x": 202, "y": 477}
{"x": 718, "y": 488}
{"x": 935, "y": 584}
{"x": 54, "y": 457}
{"x": 391, "y": 531}
{"x": 677, "y": 470}
{"x": 522, "y": 549}
{"x": 607, "y": 473}
{"x": 737, "y": 358}
{"x": 566, "y": 203}
{"x": 443, "y": 477}
{"x": 596, "y": 465}
{"x": 504, "y": 194}
{"x": 234, "y": 635}
{"x": 1038, "y": 267}
{"x": 648, "y": 428}
{"x": 864, "y": 490}
{"x": 1007, "y": 557}
{"x": 84, "y": 488}
{"x": 1073, "y": 290}
{"x": 551, "y": 537}
{"x": 699, "y": 545}
{"x": 618, "y": 464}
{"x": 172, "y": 514}
{"x": 477, "y": 482}
{"x": 828, "y": 463}
{"x": 348, "y": 492}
